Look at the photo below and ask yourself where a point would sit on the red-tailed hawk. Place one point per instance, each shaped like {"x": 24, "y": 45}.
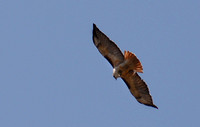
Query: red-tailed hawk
{"x": 125, "y": 66}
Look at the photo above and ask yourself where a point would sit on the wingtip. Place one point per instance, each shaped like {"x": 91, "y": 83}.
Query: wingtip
{"x": 94, "y": 30}
{"x": 94, "y": 25}
{"x": 152, "y": 105}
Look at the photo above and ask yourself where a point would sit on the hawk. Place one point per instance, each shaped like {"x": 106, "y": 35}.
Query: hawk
{"x": 124, "y": 66}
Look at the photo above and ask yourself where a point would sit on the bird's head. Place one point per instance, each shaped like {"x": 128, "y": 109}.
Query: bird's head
{"x": 116, "y": 73}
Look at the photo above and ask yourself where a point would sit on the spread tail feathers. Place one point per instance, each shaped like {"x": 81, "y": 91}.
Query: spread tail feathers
{"x": 133, "y": 61}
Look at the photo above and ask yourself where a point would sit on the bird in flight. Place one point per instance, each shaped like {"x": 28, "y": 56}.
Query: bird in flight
{"x": 124, "y": 66}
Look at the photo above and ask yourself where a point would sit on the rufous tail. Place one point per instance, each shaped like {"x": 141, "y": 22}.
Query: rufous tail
{"x": 133, "y": 61}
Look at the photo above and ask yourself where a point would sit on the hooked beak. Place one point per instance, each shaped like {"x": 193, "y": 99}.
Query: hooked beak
{"x": 114, "y": 77}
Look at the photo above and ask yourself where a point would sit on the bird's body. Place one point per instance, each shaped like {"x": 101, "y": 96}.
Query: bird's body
{"x": 124, "y": 66}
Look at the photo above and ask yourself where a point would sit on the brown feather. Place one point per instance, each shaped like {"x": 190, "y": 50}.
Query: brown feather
{"x": 107, "y": 47}
{"x": 138, "y": 89}
{"x": 133, "y": 62}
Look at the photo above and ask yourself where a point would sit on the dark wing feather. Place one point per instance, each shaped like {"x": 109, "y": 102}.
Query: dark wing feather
{"x": 107, "y": 47}
{"x": 138, "y": 89}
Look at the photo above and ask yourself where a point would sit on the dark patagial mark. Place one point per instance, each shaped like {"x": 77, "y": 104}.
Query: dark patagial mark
{"x": 126, "y": 83}
{"x": 109, "y": 60}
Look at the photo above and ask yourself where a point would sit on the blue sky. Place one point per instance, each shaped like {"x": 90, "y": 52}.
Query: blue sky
{"x": 51, "y": 74}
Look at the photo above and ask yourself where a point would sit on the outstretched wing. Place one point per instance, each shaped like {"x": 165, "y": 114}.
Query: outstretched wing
{"x": 138, "y": 89}
{"x": 107, "y": 47}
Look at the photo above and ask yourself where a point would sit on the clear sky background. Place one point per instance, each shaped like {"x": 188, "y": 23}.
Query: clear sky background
{"x": 52, "y": 75}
